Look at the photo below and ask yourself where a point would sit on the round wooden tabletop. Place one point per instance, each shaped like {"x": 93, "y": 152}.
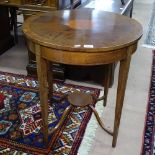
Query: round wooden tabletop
{"x": 84, "y": 30}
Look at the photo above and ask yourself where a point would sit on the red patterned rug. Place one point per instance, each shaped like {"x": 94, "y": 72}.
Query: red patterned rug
{"x": 148, "y": 147}
{"x": 20, "y": 118}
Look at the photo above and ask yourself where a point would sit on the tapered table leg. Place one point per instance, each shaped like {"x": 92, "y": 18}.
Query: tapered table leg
{"x": 122, "y": 80}
{"x": 50, "y": 80}
{"x": 42, "y": 69}
{"x": 106, "y": 83}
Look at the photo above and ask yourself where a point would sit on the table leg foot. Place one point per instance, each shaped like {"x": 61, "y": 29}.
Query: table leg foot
{"x": 100, "y": 122}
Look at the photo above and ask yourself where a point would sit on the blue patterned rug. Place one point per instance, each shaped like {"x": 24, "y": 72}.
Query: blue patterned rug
{"x": 148, "y": 147}
{"x": 21, "y": 123}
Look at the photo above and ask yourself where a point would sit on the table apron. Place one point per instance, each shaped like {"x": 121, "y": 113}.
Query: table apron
{"x": 82, "y": 58}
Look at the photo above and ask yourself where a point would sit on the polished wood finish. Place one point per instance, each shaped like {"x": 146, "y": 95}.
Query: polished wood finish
{"x": 99, "y": 121}
{"x": 122, "y": 80}
{"x": 63, "y": 118}
{"x": 82, "y": 32}
{"x": 42, "y": 70}
{"x": 83, "y": 37}
{"x": 30, "y": 7}
{"x": 88, "y": 73}
{"x": 108, "y": 75}
{"x": 81, "y": 99}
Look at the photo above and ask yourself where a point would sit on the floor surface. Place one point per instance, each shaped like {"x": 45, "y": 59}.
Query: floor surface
{"x": 133, "y": 116}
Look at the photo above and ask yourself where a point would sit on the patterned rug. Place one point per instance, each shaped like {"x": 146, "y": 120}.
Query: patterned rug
{"x": 150, "y": 37}
{"x": 148, "y": 147}
{"x": 20, "y": 118}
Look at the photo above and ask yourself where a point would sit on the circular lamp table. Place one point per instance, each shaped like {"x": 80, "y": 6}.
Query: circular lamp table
{"x": 82, "y": 37}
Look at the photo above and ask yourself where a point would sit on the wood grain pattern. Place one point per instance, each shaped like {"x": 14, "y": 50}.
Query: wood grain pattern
{"x": 122, "y": 81}
{"x": 42, "y": 71}
{"x": 107, "y": 31}
{"x": 107, "y": 38}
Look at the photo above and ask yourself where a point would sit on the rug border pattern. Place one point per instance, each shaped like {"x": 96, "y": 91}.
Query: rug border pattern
{"x": 149, "y": 125}
{"x": 80, "y": 132}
